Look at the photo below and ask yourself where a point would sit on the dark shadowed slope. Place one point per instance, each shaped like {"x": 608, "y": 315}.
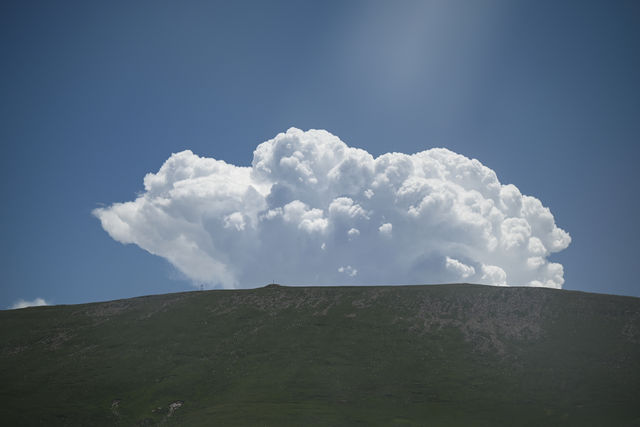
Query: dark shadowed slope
{"x": 410, "y": 355}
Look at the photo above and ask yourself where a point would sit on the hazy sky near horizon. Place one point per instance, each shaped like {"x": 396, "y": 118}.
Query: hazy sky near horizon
{"x": 96, "y": 96}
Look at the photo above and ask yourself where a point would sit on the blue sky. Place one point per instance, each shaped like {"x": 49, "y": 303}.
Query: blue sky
{"x": 96, "y": 95}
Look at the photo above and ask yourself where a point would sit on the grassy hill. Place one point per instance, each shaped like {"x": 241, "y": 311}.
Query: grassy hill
{"x": 403, "y": 355}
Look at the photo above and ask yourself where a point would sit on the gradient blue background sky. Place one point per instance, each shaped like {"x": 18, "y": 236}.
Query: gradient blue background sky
{"x": 97, "y": 94}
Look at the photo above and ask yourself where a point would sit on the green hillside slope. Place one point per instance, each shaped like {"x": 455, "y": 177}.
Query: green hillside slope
{"x": 411, "y": 355}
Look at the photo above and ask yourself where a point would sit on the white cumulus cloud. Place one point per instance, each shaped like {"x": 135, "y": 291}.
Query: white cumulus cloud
{"x": 24, "y": 304}
{"x": 348, "y": 270}
{"x": 460, "y": 269}
{"x": 386, "y": 229}
{"x": 312, "y": 210}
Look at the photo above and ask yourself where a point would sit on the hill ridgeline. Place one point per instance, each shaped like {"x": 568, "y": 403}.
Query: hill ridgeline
{"x": 385, "y": 355}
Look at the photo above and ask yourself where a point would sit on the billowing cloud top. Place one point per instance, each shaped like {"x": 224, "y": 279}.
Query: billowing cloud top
{"x": 312, "y": 210}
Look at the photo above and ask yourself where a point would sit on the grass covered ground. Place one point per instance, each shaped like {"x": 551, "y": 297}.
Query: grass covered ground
{"x": 410, "y": 355}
